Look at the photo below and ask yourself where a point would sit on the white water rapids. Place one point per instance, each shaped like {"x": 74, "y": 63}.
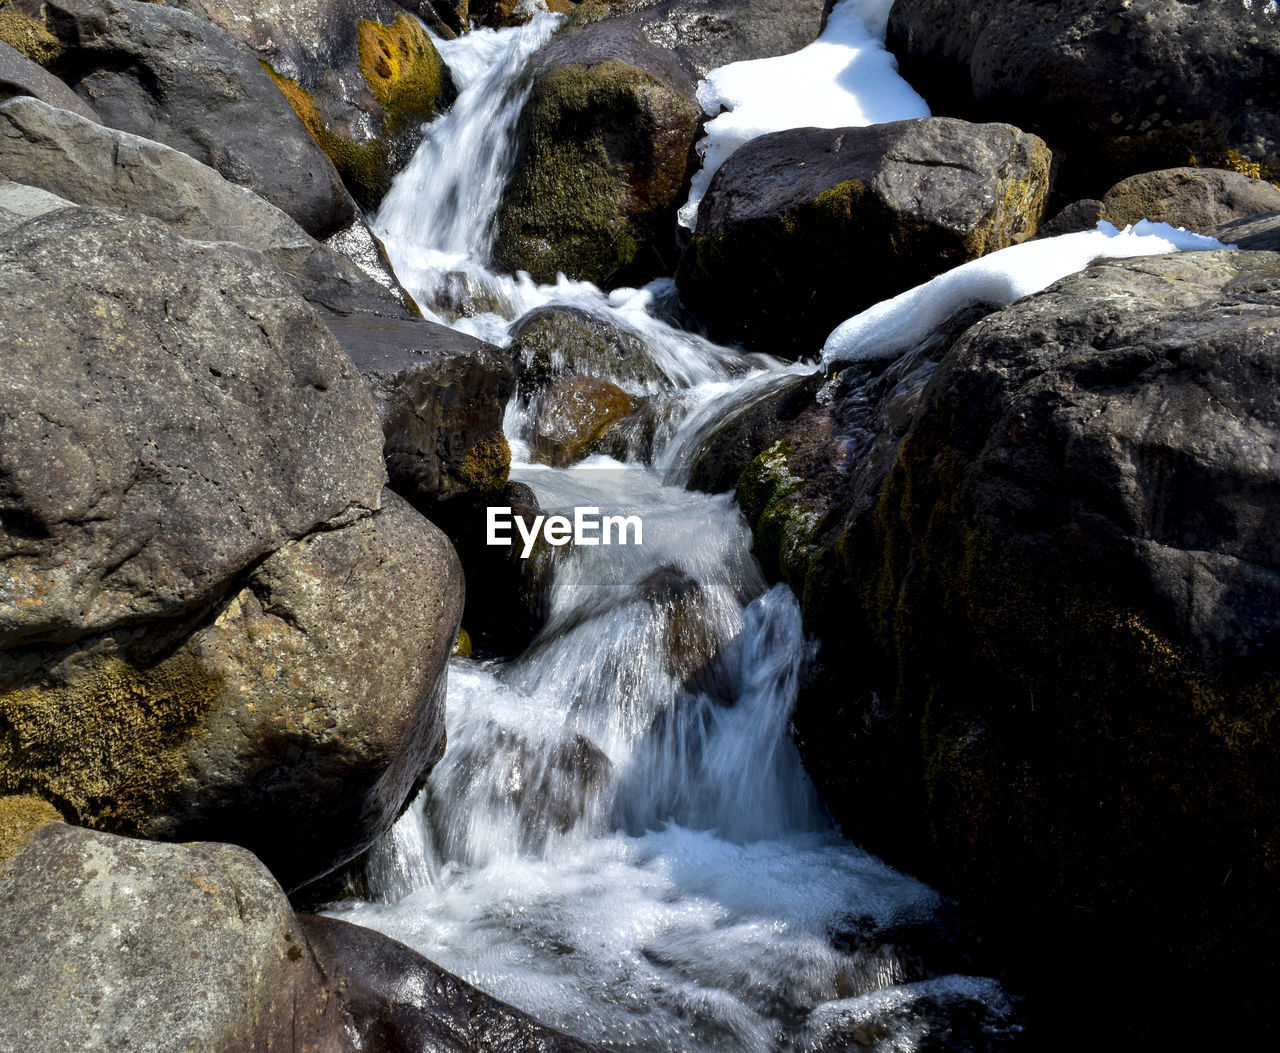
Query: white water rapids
{"x": 620, "y": 838}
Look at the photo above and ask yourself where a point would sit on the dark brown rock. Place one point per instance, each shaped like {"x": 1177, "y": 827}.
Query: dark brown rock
{"x": 1196, "y": 199}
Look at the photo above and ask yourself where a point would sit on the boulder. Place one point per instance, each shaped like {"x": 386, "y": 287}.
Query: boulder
{"x": 120, "y": 944}
{"x": 1196, "y": 199}
{"x": 397, "y": 1001}
{"x": 216, "y": 623}
{"x": 152, "y": 385}
{"x": 1058, "y": 601}
{"x": 572, "y": 415}
{"x": 552, "y": 341}
{"x": 1261, "y": 232}
{"x": 20, "y": 76}
{"x": 441, "y": 396}
{"x": 1072, "y": 218}
{"x": 89, "y": 164}
{"x": 1118, "y": 88}
{"x": 605, "y": 143}
{"x": 175, "y": 78}
{"x": 801, "y": 229}
{"x": 362, "y": 75}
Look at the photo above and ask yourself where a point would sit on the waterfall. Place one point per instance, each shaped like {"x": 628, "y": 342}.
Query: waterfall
{"x": 620, "y": 837}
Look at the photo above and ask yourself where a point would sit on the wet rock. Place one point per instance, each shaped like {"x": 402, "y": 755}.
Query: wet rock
{"x": 175, "y": 78}
{"x": 440, "y": 398}
{"x": 361, "y": 246}
{"x": 1063, "y": 602}
{"x": 572, "y": 414}
{"x": 1192, "y": 198}
{"x": 90, "y": 164}
{"x": 153, "y": 385}
{"x": 1117, "y": 88}
{"x": 117, "y": 944}
{"x": 553, "y": 341}
{"x": 606, "y": 139}
{"x": 20, "y": 76}
{"x": 362, "y": 75}
{"x": 801, "y": 229}
{"x": 396, "y": 1001}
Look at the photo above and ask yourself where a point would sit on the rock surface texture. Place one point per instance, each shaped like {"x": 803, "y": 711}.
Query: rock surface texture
{"x": 173, "y": 77}
{"x": 801, "y": 229}
{"x": 1118, "y": 88}
{"x": 215, "y": 622}
{"x": 606, "y": 139}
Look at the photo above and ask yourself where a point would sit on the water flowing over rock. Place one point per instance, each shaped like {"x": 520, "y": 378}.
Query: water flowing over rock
{"x": 215, "y": 622}
{"x": 605, "y": 147}
{"x": 90, "y": 164}
{"x": 800, "y": 229}
{"x": 362, "y": 75}
{"x": 1193, "y": 198}
{"x": 1118, "y": 88}
{"x": 173, "y": 77}
{"x": 1061, "y": 597}
{"x": 553, "y": 341}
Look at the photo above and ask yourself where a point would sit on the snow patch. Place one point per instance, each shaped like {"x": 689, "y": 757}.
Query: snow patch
{"x": 898, "y": 324}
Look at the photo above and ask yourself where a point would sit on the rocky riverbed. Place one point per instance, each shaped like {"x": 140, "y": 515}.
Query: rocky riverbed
{"x": 985, "y": 582}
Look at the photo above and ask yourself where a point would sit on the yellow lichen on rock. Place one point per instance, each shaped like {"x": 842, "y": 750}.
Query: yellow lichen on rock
{"x": 29, "y": 35}
{"x": 103, "y": 739}
{"x": 20, "y": 817}
{"x": 401, "y": 66}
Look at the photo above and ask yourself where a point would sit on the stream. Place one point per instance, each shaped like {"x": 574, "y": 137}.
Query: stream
{"x": 620, "y": 838}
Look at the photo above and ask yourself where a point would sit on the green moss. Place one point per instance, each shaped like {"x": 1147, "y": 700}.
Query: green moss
{"x": 20, "y": 817}
{"x": 402, "y": 68}
{"x": 102, "y": 740}
{"x": 783, "y": 528}
{"x": 603, "y": 155}
{"x": 487, "y": 465}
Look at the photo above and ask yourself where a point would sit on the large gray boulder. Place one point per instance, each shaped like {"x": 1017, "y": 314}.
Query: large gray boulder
{"x": 1118, "y": 88}
{"x": 1192, "y": 198}
{"x": 606, "y": 138}
{"x": 119, "y": 944}
{"x": 152, "y": 385}
{"x": 89, "y": 164}
{"x": 20, "y": 76}
{"x": 216, "y": 622}
{"x": 362, "y": 75}
{"x": 801, "y": 229}
{"x": 175, "y": 78}
{"x": 1039, "y": 560}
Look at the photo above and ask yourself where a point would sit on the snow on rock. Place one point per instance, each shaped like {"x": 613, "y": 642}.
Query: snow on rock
{"x": 897, "y": 324}
{"x": 844, "y": 79}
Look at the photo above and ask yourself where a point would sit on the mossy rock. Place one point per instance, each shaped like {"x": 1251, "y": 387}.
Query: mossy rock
{"x": 30, "y": 35}
{"x": 603, "y": 155}
{"x": 782, "y": 527}
{"x": 20, "y": 817}
{"x": 487, "y": 465}
{"x": 573, "y": 415}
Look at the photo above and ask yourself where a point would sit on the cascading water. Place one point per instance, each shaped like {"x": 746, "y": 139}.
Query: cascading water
{"x": 620, "y": 838}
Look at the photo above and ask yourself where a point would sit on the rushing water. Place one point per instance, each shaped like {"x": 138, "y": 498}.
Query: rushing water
{"x": 620, "y": 838}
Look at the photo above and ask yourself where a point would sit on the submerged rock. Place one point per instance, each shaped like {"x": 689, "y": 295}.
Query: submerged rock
{"x": 802, "y": 228}
{"x": 175, "y": 78}
{"x": 89, "y": 164}
{"x": 572, "y": 415}
{"x": 1117, "y": 88}
{"x": 362, "y": 75}
{"x": 215, "y": 622}
{"x": 605, "y": 148}
{"x": 1196, "y": 199}
{"x": 396, "y": 1001}
{"x": 552, "y": 341}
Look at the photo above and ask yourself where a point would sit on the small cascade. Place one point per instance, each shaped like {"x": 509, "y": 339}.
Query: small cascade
{"x": 620, "y": 837}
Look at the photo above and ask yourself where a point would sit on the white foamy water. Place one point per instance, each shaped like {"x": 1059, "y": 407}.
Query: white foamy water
{"x": 620, "y": 838}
